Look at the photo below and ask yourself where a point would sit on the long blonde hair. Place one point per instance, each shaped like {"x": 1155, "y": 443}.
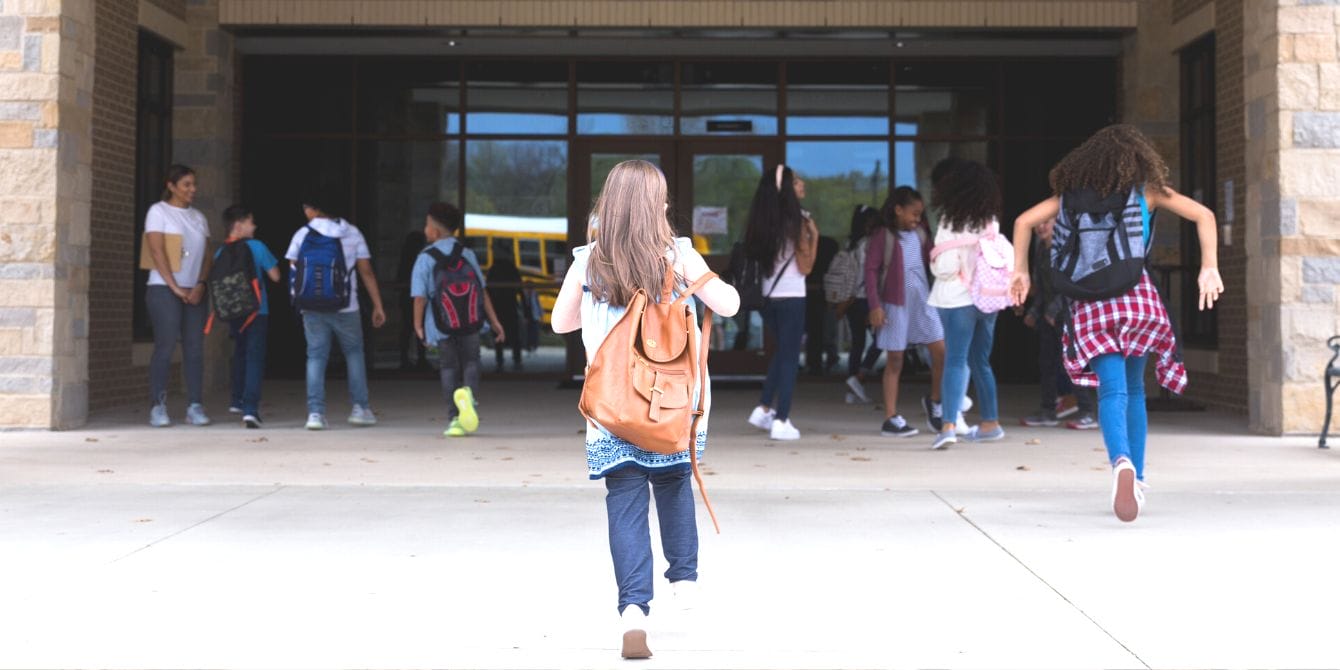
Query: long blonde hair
{"x": 630, "y": 215}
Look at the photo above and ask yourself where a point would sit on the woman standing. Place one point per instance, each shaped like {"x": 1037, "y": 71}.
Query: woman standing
{"x": 1109, "y": 339}
{"x": 969, "y": 200}
{"x": 782, "y": 240}
{"x": 176, "y": 297}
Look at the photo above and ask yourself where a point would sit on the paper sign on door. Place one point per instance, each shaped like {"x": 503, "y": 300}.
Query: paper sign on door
{"x": 709, "y": 221}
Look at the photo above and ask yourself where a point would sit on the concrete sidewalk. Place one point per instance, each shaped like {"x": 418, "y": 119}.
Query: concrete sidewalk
{"x": 125, "y": 546}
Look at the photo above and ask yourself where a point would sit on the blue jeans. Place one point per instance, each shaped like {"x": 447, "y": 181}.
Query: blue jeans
{"x": 969, "y": 335}
{"x": 175, "y": 321}
{"x": 1121, "y": 407}
{"x": 248, "y": 362}
{"x": 627, "y": 504}
{"x": 321, "y": 328}
{"x": 784, "y": 318}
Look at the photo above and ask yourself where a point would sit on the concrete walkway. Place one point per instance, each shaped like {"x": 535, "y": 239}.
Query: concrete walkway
{"x": 125, "y": 546}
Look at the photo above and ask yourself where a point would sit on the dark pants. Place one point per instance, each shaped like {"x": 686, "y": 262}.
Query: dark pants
{"x": 627, "y": 504}
{"x": 248, "y": 362}
{"x": 175, "y": 321}
{"x": 1051, "y": 372}
{"x": 511, "y": 324}
{"x": 459, "y": 356}
{"x": 860, "y": 359}
{"x": 820, "y": 348}
{"x": 784, "y": 318}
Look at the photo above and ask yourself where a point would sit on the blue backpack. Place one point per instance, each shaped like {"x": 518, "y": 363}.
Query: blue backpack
{"x": 1098, "y": 247}
{"x": 320, "y": 279}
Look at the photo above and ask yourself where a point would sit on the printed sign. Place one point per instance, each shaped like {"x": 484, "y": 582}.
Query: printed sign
{"x": 709, "y": 221}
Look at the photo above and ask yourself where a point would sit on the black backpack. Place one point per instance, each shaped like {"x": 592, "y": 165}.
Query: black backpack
{"x": 457, "y": 297}
{"x": 746, "y": 275}
{"x": 234, "y": 288}
{"x": 1098, "y": 247}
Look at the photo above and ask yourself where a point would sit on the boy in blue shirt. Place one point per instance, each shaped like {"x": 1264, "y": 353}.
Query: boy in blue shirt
{"x": 458, "y": 354}
{"x": 249, "y": 338}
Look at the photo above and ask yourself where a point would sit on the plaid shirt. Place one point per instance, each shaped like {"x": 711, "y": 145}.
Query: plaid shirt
{"x": 1133, "y": 324}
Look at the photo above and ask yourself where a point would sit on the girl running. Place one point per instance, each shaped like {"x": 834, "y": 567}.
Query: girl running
{"x": 636, "y": 245}
{"x": 1109, "y": 340}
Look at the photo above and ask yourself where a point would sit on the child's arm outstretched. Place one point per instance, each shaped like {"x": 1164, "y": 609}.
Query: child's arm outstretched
{"x": 1023, "y": 235}
{"x": 567, "y": 314}
{"x": 716, "y": 294}
{"x": 1211, "y": 284}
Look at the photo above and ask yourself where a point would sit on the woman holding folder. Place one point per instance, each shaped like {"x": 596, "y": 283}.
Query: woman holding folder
{"x": 176, "y": 246}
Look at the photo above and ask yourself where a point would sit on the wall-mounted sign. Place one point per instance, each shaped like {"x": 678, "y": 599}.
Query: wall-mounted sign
{"x": 709, "y": 221}
{"x": 734, "y": 126}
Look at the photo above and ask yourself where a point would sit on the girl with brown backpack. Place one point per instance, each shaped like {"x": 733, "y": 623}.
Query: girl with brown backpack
{"x": 636, "y": 253}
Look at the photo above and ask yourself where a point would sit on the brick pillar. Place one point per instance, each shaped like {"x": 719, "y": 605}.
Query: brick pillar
{"x": 1293, "y": 207}
{"x": 204, "y": 137}
{"x": 46, "y": 83}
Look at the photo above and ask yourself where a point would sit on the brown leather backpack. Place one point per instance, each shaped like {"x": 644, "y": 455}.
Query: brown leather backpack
{"x": 639, "y": 385}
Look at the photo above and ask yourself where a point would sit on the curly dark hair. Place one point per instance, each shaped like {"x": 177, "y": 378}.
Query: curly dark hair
{"x": 1116, "y": 159}
{"x": 968, "y": 197}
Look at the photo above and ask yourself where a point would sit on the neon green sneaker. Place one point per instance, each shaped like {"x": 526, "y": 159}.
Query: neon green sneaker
{"x": 465, "y": 404}
{"x": 455, "y": 429}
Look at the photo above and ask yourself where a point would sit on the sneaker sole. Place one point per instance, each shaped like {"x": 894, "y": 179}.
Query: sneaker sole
{"x": 312, "y": 426}
{"x": 1069, "y": 411}
{"x": 465, "y": 404}
{"x": 909, "y": 433}
{"x": 635, "y": 644}
{"x": 941, "y": 446}
{"x": 251, "y": 424}
{"x": 1125, "y": 506}
{"x": 1092, "y": 426}
{"x": 1039, "y": 424}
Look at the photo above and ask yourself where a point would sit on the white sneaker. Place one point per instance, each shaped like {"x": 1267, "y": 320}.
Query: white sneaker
{"x": 195, "y": 415}
{"x": 685, "y": 595}
{"x": 1126, "y": 494}
{"x": 762, "y": 418}
{"x": 316, "y": 421}
{"x": 634, "y": 633}
{"x": 362, "y": 416}
{"x": 966, "y": 405}
{"x": 857, "y": 388}
{"x": 961, "y": 426}
{"x": 234, "y": 409}
{"x": 783, "y": 430}
{"x": 158, "y": 416}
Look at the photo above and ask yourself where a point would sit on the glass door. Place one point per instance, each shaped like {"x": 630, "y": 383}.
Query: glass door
{"x": 717, "y": 180}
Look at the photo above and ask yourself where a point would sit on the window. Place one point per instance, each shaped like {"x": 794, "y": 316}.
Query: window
{"x": 1199, "y": 329}
{"x": 839, "y": 176}
{"x": 517, "y": 97}
{"x": 826, "y": 98}
{"x": 945, "y": 98}
{"x": 619, "y": 98}
{"x": 153, "y": 151}
{"x": 729, "y": 99}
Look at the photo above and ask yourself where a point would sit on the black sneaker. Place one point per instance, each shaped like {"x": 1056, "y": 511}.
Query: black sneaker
{"x": 251, "y": 421}
{"x": 1039, "y": 418}
{"x": 897, "y": 427}
{"x": 934, "y": 414}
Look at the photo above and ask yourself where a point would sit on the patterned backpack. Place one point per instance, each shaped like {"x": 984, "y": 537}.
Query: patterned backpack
{"x": 458, "y": 298}
{"x": 988, "y": 275}
{"x": 1098, "y": 244}
{"x": 234, "y": 288}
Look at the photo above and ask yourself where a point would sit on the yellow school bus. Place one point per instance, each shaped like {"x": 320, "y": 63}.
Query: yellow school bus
{"x": 539, "y": 246}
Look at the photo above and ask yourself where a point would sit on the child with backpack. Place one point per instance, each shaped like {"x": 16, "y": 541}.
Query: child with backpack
{"x": 324, "y": 255}
{"x": 1105, "y": 192}
{"x": 898, "y": 289}
{"x": 239, "y": 296}
{"x": 971, "y": 262}
{"x": 844, "y": 288}
{"x": 447, "y": 275}
{"x": 635, "y": 280}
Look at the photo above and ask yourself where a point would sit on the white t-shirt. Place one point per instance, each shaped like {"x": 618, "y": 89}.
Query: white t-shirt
{"x": 791, "y": 284}
{"x": 194, "y": 230}
{"x": 355, "y": 249}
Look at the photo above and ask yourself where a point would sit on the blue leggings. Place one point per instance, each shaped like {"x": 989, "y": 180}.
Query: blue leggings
{"x": 784, "y": 318}
{"x": 1121, "y": 407}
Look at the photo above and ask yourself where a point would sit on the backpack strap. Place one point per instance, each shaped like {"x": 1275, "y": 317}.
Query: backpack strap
{"x": 436, "y": 254}
{"x": 703, "y": 340}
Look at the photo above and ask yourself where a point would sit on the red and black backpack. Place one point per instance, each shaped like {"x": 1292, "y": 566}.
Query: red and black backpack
{"x": 457, "y": 297}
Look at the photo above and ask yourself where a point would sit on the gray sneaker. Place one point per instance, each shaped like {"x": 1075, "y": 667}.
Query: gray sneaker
{"x": 316, "y": 421}
{"x": 362, "y": 416}
{"x": 979, "y": 435}
{"x": 195, "y": 415}
{"x": 158, "y": 416}
{"x": 943, "y": 440}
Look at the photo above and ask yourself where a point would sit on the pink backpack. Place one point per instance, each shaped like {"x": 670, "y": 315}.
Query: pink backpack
{"x": 987, "y": 276}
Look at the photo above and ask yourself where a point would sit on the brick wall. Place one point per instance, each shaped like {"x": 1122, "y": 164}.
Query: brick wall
{"x": 113, "y": 378}
{"x": 1228, "y": 389}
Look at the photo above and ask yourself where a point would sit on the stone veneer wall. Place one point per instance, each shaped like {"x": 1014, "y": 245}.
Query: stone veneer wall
{"x": 204, "y": 136}
{"x": 46, "y": 86}
{"x": 113, "y": 378}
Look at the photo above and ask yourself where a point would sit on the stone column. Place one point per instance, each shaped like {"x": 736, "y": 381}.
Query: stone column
{"x": 46, "y": 84}
{"x": 203, "y": 136}
{"x": 1293, "y": 207}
